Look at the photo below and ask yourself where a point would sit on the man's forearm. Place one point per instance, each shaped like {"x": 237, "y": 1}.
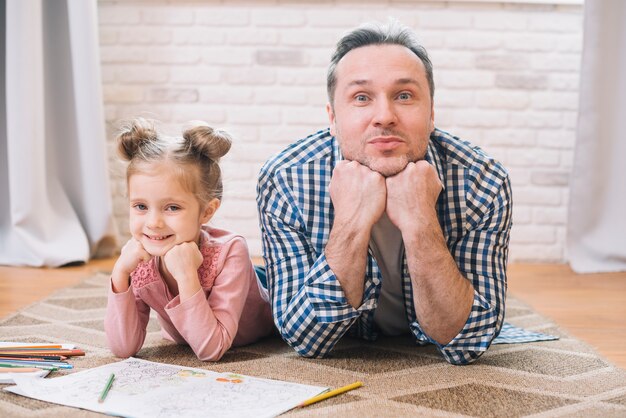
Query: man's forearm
{"x": 443, "y": 297}
{"x": 346, "y": 254}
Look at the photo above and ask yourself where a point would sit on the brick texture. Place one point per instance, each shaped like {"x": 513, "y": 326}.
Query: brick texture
{"x": 506, "y": 77}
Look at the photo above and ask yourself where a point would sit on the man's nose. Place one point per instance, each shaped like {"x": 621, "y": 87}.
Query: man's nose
{"x": 385, "y": 113}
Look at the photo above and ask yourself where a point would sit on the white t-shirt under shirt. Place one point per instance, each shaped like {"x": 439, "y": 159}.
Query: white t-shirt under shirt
{"x": 388, "y": 249}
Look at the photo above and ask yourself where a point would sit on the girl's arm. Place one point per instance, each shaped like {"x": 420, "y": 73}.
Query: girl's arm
{"x": 209, "y": 324}
{"x": 126, "y": 315}
{"x": 125, "y": 322}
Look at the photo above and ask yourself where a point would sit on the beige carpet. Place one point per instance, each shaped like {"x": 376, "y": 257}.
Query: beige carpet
{"x": 544, "y": 379}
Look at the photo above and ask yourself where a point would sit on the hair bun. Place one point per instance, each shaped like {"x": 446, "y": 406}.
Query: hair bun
{"x": 133, "y": 136}
{"x": 207, "y": 141}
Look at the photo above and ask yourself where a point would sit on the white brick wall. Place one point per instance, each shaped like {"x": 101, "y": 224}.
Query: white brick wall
{"x": 506, "y": 79}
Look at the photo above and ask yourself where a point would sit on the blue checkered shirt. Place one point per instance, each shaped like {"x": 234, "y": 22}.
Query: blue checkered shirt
{"x": 296, "y": 215}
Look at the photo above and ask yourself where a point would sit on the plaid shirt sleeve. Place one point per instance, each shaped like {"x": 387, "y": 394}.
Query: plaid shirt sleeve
{"x": 308, "y": 303}
{"x": 479, "y": 195}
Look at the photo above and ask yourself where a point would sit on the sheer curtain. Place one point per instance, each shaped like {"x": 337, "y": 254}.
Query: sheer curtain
{"x": 597, "y": 212}
{"x": 55, "y": 203}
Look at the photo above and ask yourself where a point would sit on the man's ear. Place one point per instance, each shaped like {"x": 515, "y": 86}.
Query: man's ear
{"x": 432, "y": 117}
{"x": 331, "y": 118}
{"x": 210, "y": 210}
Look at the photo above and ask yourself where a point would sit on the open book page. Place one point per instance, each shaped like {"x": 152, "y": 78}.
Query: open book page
{"x": 147, "y": 389}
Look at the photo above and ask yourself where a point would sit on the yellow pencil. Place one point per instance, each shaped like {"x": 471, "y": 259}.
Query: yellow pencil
{"x": 331, "y": 393}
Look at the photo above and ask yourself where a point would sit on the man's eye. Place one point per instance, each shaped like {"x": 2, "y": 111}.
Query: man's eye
{"x": 361, "y": 98}
{"x": 404, "y": 96}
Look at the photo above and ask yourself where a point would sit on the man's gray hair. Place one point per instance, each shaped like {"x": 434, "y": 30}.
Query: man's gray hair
{"x": 392, "y": 33}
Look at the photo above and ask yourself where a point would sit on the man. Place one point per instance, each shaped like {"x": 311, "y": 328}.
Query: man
{"x": 383, "y": 223}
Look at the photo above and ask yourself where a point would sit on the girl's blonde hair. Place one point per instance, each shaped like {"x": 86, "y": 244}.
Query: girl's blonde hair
{"x": 196, "y": 154}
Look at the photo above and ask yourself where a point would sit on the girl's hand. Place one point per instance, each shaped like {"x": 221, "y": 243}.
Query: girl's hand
{"x": 183, "y": 261}
{"x": 131, "y": 255}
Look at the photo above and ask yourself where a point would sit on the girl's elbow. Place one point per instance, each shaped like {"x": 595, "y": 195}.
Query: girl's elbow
{"x": 212, "y": 355}
{"x": 123, "y": 352}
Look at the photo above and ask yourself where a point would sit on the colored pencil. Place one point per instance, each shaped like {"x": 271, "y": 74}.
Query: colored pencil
{"x": 45, "y": 346}
{"x": 67, "y": 353}
{"x": 11, "y": 366}
{"x": 58, "y": 364}
{"x": 20, "y": 370}
{"x": 331, "y": 393}
{"x": 107, "y": 388}
{"x": 31, "y": 357}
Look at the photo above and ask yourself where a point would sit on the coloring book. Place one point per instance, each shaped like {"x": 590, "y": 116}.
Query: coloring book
{"x": 147, "y": 389}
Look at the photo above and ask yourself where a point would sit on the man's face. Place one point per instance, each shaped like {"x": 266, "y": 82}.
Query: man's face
{"x": 382, "y": 113}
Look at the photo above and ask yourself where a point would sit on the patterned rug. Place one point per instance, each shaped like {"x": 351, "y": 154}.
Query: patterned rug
{"x": 542, "y": 379}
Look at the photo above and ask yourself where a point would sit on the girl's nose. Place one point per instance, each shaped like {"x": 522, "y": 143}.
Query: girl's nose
{"x": 155, "y": 220}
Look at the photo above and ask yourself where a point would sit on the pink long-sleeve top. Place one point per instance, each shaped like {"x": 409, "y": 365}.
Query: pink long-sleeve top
{"x": 228, "y": 311}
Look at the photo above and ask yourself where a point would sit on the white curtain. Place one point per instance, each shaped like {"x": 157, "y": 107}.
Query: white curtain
{"x": 597, "y": 212}
{"x": 55, "y": 202}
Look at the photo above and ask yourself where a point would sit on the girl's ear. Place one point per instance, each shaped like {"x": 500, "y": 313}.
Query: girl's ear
{"x": 210, "y": 210}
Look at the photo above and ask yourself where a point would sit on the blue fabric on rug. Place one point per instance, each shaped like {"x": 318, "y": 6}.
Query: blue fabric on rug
{"x": 260, "y": 272}
{"x": 510, "y": 334}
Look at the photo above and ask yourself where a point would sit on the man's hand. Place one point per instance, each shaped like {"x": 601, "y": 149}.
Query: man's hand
{"x": 182, "y": 262}
{"x": 358, "y": 194}
{"x": 131, "y": 255}
{"x": 412, "y": 195}
{"x": 443, "y": 297}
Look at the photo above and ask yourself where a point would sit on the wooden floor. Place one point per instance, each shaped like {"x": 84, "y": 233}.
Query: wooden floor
{"x": 591, "y": 307}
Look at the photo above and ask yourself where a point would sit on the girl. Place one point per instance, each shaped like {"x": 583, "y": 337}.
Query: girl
{"x": 198, "y": 279}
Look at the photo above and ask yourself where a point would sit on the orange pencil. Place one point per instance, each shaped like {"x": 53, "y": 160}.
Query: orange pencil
{"x": 15, "y": 347}
{"x": 19, "y": 369}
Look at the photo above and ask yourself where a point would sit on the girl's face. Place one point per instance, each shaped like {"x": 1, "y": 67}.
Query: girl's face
{"x": 162, "y": 212}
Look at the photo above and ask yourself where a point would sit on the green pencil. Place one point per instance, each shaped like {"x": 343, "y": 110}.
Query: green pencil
{"x": 51, "y": 368}
{"x": 107, "y": 388}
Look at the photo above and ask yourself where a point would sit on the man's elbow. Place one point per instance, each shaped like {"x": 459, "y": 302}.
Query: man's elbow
{"x": 460, "y": 357}
{"x": 302, "y": 349}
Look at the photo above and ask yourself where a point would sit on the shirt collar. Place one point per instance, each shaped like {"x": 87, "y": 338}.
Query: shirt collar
{"x": 434, "y": 159}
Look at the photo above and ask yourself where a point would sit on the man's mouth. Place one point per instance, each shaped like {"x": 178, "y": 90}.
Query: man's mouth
{"x": 386, "y": 142}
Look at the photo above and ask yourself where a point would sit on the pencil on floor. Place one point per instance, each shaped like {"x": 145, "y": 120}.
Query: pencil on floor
{"x": 19, "y": 369}
{"x": 107, "y": 388}
{"x": 331, "y": 393}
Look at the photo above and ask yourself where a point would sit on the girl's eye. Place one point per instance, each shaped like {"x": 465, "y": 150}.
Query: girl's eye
{"x": 173, "y": 208}
{"x": 140, "y": 206}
